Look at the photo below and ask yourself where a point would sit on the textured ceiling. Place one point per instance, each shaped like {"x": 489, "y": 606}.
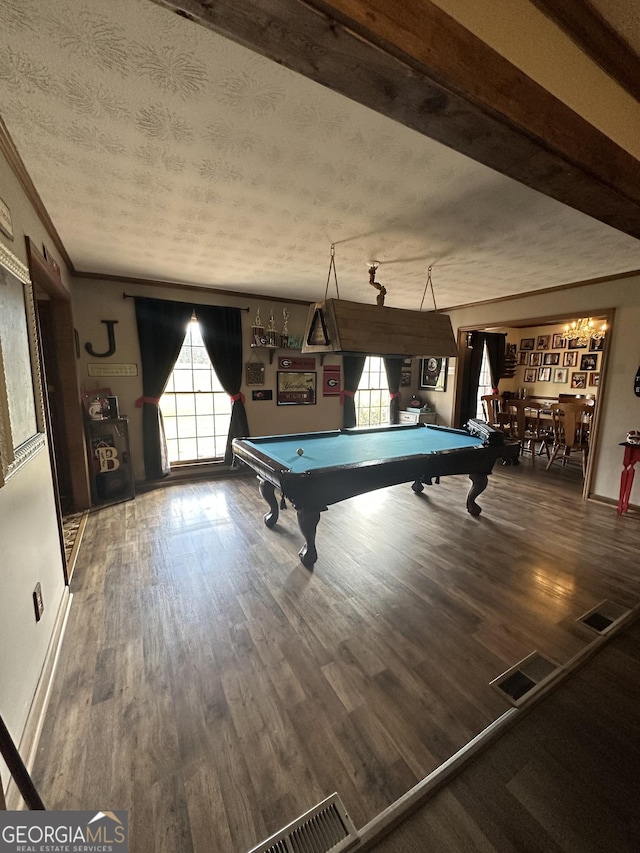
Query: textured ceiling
{"x": 163, "y": 151}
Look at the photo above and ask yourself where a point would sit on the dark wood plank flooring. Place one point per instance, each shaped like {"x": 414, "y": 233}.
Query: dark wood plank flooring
{"x": 564, "y": 778}
{"x": 216, "y": 689}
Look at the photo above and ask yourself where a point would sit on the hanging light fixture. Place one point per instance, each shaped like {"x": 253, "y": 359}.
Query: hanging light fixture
{"x": 584, "y": 330}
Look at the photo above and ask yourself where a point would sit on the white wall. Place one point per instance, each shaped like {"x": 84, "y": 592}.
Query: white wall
{"x": 29, "y": 543}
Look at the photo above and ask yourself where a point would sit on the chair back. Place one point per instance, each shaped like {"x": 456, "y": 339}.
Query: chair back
{"x": 525, "y": 418}
{"x": 491, "y": 407}
{"x": 571, "y": 424}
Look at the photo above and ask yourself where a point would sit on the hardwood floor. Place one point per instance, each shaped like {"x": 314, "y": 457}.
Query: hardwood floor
{"x": 216, "y": 689}
{"x": 565, "y": 778}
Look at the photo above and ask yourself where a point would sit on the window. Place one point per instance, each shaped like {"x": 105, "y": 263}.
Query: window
{"x": 195, "y": 408}
{"x": 484, "y": 384}
{"x": 372, "y": 396}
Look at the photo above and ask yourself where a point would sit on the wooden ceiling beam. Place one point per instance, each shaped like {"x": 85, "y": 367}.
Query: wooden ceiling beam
{"x": 415, "y": 64}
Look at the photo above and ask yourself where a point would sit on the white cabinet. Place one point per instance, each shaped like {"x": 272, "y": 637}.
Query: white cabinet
{"x": 405, "y": 417}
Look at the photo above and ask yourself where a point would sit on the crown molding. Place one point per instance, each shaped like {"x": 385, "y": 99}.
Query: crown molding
{"x": 16, "y": 164}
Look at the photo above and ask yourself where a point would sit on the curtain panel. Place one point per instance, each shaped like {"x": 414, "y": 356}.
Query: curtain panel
{"x": 393, "y": 369}
{"x": 162, "y": 326}
{"x": 352, "y": 367}
{"x": 221, "y": 330}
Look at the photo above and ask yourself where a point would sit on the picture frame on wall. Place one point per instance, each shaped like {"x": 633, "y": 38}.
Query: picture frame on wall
{"x": 296, "y": 388}
{"x": 530, "y": 375}
{"x": 535, "y": 359}
{"x": 544, "y": 374}
{"x": 576, "y": 343}
{"x": 558, "y": 341}
{"x": 596, "y": 345}
{"x": 523, "y": 358}
{"x": 578, "y": 380}
{"x": 561, "y": 375}
{"x": 405, "y": 378}
{"x": 588, "y": 362}
{"x": 527, "y": 344}
{"x": 594, "y": 379}
{"x": 570, "y": 359}
{"x": 551, "y": 358}
{"x": 543, "y": 342}
{"x": 433, "y": 373}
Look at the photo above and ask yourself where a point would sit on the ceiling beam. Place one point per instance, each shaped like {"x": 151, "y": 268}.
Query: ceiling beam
{"x": 415, "y": 64}
{"x": 597, "y": 38}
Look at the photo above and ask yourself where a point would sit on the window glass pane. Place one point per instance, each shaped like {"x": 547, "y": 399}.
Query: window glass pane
{"x": 185, "y": 404}
{"x": 196, "y": 419}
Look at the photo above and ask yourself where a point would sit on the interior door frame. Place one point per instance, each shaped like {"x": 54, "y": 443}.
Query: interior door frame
{"x": 607, "y": 313}
{"x": 72, "y": 441}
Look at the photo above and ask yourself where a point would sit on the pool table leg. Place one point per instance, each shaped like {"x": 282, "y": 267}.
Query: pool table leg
{"x": 308, "y": 522}
{"x": 268, "y": 492}
{"x": 478, "y": 485}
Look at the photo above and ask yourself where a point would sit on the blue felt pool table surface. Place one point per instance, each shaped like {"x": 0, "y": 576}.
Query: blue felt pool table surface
{"x": 353, "y": 447}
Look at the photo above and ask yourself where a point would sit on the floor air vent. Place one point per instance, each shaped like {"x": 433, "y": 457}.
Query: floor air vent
{"x": 603, "y": 616}
{"x": 526, "y": 677}
{"x": 326, "y": 828}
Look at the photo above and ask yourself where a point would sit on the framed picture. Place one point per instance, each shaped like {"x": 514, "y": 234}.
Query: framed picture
{"x": 544, "y": 374}
{"x": 535, "y": 359}
{"x": 596, "y": 344}
{"x": 527, "y": 343}
{"x": 578, "y": 380}
{"x": 254, "y": 373}
{"x": 407, "y": 362}
{"x": 543, "y": 341}
{"x": 405, "y": 378}
{"x": 561, "y": 375}
{"x": 433, "y": 373}
{"x": 551, "y": 358}
{"x": 588, "y": 362}
{"x": 523, "y": 357}
{"x": 22, "y": 424}
{"x": 530, "y": 374}
{"x": 558, "y": 341}
{"x": 6, "y": 226}
{"x": 296, "y": 387}
{"x": 576, "y": 343}
{"x": 570, "y": 359}
{"x": 594, "y": 379}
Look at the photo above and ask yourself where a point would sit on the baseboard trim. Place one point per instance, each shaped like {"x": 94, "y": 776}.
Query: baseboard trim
{"x": 30, "y": 738}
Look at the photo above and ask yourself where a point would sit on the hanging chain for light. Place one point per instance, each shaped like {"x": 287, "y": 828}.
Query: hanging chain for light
{"x": 429, "y": 284}
{"x": 332, "y": 266}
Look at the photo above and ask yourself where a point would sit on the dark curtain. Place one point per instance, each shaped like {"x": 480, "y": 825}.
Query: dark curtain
{"x": 222, "y": 335}
{"x": 472, "y": 362}
{"x": 496, "y": 347}
{"x": 162, "y": 326}
{"x": 472, "y": 365}
{"x": 393, "y": 368}
{"x": 352, "y": 367}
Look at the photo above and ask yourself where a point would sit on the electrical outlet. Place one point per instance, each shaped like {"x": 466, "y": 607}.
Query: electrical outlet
{"x": 38, "y": 602}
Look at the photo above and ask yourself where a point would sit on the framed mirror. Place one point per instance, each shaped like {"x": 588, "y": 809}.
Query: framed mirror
{"x": 22, "y": 425}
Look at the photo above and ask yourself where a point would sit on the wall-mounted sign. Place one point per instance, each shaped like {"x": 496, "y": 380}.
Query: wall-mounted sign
{"x": 296, "y": 388}
{"x": 112, "y": 369}
{"x": 331, "y": 380}
{"x": 289, "y": 362}
{"x": 262, "y": 395}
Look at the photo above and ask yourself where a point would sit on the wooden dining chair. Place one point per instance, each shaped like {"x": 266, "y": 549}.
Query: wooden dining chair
{"x": 527, "y": 426}
{"x": 571, "y": 428}
{"x": 491, "y": 408}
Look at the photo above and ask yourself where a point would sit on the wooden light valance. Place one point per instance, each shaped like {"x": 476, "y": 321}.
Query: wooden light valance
{"x": 339, "y": 326}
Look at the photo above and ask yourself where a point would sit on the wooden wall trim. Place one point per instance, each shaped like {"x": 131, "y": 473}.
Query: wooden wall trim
{"x": 596, "y": 37}
{"x": 8, "y": 148}
{"x": 416, "y": 65}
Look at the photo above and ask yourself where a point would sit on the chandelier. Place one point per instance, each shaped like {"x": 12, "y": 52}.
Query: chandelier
{"x": 584, "y": 330}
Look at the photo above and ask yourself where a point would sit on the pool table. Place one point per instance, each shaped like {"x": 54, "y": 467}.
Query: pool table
{"x": 314, "y": 470}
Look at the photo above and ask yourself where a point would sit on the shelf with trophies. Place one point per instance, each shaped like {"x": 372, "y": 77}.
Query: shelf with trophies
{"x": 270, "y": 339}
{"x": 108, "y": 449}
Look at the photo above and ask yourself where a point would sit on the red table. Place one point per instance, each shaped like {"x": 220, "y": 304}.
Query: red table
{"x": 631, "y": 456}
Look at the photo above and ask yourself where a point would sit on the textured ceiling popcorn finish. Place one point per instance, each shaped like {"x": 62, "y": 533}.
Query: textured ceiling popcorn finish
{"x": 164, "y": 151}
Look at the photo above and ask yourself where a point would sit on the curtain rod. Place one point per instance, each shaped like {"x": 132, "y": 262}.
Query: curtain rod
{"x": 131, "y": 296}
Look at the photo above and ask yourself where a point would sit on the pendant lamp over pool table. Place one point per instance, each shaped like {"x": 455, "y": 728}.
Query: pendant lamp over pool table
{"x": 341, "y": 326}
